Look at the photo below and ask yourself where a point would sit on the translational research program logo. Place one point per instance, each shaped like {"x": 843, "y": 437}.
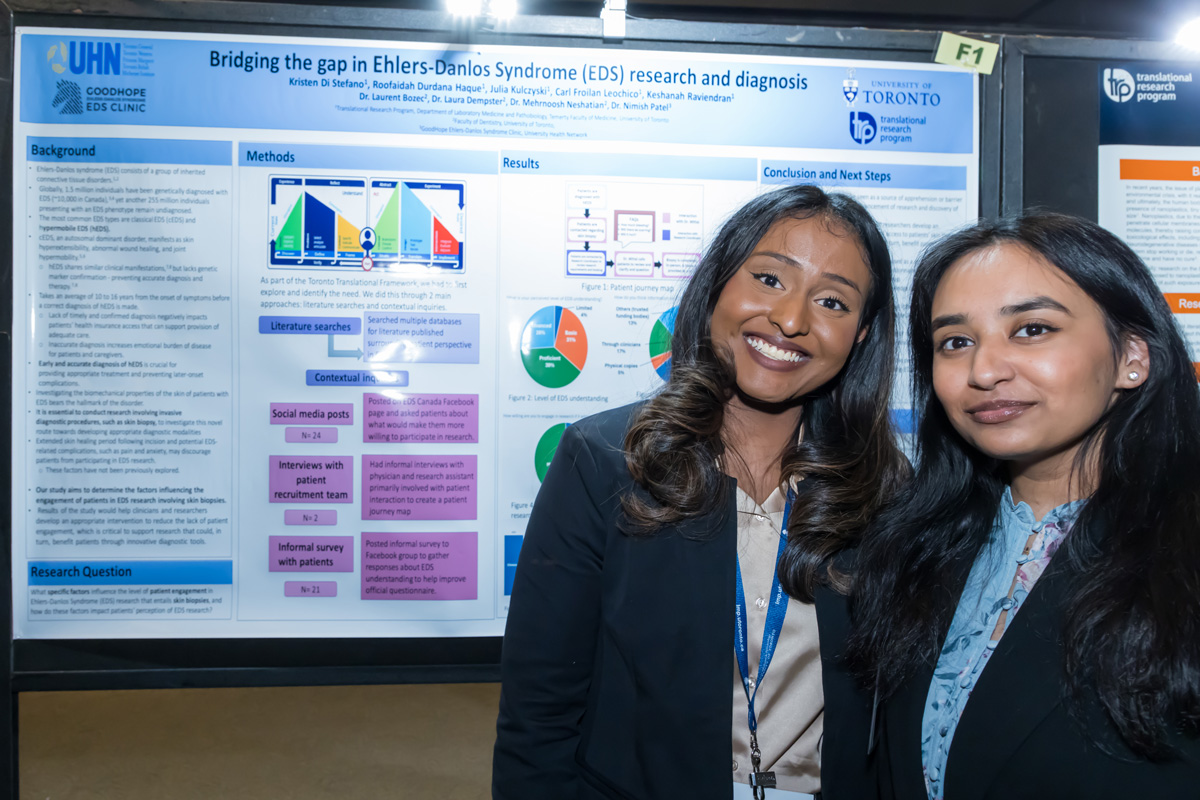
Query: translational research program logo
{"x": 862, "y": 127}
{"x": 69, "y": 97}
{"x": 1118, "y": 85}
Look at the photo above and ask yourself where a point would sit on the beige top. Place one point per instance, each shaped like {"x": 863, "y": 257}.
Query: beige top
{"x": 790, "y": 706}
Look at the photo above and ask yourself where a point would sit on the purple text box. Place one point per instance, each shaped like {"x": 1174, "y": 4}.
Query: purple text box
{"x": 311, "y": 435}
{"x": 306, "y": 516}
{"x": 395, "y": 337}
{"x": 310, "y": 553}
{"x": 419, "y": 487}
{"x": 420, "y": 566}
{"x": 437, "y": 418}
{"x": 310, "y": 588}
{"x": 312, "y": 413}
{"x": 312, "y": 479}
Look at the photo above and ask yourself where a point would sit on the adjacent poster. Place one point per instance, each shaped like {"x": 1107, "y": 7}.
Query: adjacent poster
{"x": 1149, "y": 175}
{"x": 300, "y": 323}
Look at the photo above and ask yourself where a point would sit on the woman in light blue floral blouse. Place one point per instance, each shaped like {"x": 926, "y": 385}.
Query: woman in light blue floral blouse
{"x": 1028, "y": 611}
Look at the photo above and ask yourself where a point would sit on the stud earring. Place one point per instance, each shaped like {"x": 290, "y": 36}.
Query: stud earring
{"x": 1133, "y": 376}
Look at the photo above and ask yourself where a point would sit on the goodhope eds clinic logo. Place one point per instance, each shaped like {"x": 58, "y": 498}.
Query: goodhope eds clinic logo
{"x": 91, "y": 58}
{"x": 1143, "y": 87}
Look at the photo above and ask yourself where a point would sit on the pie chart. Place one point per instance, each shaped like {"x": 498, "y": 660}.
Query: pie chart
{"x": 543, "y": 454}
{"x": 660, "y": 342}
{"x": 554, "y": 346}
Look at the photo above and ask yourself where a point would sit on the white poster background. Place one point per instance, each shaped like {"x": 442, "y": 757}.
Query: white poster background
{"x": 189, "y": 305}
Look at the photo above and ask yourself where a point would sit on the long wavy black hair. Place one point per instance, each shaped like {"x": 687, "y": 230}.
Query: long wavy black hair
{"x": 848, "y": 455}
{"x": 1132, "y": 630}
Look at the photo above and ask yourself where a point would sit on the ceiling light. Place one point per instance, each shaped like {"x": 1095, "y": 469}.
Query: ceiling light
{"x": 465, "y": 8}
{"x": 502, "y": 10}
{"x": 1189, "y": 35}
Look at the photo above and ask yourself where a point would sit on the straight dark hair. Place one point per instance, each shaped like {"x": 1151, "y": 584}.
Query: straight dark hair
{"x": 848, "y": 457}
{"x": 1132, "y": 631}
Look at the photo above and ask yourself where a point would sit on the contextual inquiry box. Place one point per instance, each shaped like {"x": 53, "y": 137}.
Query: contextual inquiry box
{"x": 409, "y": 338}
{"x": 420, "y": 566}
{"x": 436, "y": 418}
{"x": 419, "y": 487}
{"x": 312, "y": 479}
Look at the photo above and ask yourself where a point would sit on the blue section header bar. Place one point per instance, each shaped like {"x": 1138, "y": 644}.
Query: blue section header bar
{"x": 310, "y": 325}
{"x": 891, "y": 176}
{"x": 128, "y": 151}
{"x": 1146, "y": 102}
{"x": 520, "y": 93}
{"x": 395, "y": 159}
{"x": 633, "y": 165}
{"x": 130, "y": 573}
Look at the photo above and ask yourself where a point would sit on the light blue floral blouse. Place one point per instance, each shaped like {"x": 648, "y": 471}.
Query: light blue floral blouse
{"x": 1002, "y": 565}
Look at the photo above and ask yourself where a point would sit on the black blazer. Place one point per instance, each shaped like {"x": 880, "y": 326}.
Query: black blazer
{"x": 1016, "y": 739}
{"x": 618, "y": 652}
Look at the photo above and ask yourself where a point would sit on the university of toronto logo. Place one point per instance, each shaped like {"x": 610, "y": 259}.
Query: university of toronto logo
{"x": 850, "y": 88}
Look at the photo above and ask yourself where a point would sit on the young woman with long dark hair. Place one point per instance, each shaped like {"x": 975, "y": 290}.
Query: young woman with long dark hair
{"x": 1028, "y": 608}
{"x": 652, "y": 549}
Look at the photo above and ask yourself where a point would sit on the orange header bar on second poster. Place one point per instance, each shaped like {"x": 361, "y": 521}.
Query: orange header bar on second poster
{"x": 1183, "y": 303}
{"x": 1141, "y": 170}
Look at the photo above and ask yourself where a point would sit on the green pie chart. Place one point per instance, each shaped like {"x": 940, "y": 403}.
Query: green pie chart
{"x": 543, "y": 454}
{"x": 553, "y": 346}
{"x": 660, "y": 342}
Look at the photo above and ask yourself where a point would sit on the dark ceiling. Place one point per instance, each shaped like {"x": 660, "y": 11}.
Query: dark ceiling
{"x": 1131, "y": 19}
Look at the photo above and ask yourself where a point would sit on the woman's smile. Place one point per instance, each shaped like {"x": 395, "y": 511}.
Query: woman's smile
{"x": 994, "y": 412}
{"x": 776, "y": 353}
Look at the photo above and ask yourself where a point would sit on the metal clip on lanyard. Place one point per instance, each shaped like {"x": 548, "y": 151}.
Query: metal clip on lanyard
{"x": 761, "y": 781}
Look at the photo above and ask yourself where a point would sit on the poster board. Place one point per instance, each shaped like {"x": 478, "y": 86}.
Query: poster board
{"x": 1106, "y": 130}
{"x": 1149, "y": 175}
{"x": 528, "y": 264}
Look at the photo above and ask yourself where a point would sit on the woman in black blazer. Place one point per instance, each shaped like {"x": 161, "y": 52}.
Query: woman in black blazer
{"x": 618, "y": 656}
{"x": 1028, "y": 609}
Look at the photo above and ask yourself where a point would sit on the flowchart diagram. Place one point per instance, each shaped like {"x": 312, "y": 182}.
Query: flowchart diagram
{"x": 314, "y": 486}
{"x": 360, "y": 223}
{"x": 418, "y": 223}
{"x": 633, "y": 230}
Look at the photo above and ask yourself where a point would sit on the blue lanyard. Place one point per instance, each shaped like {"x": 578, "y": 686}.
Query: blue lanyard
{"x": 774, "y": 625}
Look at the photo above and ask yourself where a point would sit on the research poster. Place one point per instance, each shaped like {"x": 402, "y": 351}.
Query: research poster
{"x": 1149, "y": 176}
{"x": 299, "y": 323}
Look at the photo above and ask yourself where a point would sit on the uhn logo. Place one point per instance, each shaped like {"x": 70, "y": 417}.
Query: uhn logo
{"x": 69, "y": 97}
{"x": 86, "y": 58}
{"x": 1118, "y": 84}
{"x": 862, "y": 127}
